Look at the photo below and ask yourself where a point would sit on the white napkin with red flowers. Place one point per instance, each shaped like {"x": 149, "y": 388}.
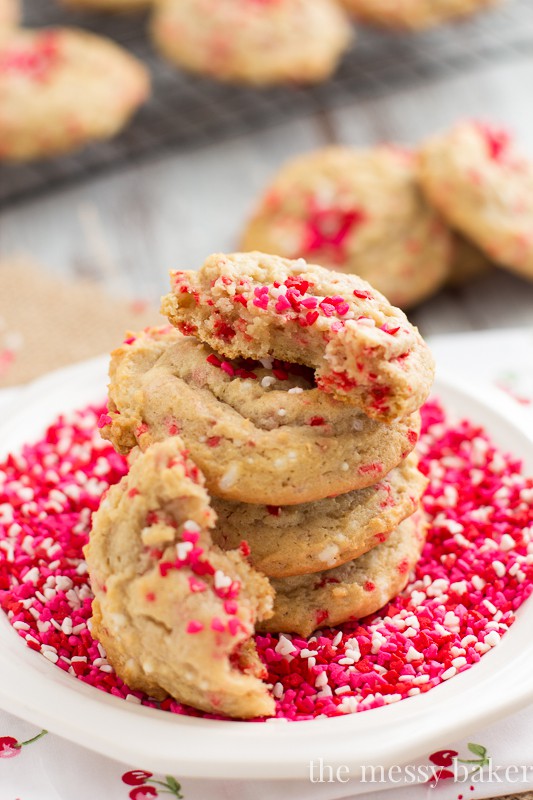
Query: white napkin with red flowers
{"x": 496, "y": 761}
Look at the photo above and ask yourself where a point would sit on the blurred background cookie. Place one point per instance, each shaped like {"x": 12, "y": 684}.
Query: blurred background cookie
{"x": 61, "y": 88}
{"x": 357, "y": 211}
{"x": 289, "y": 41}
{"x": 474, "y": 176}
{"x": 469, "y": 263}
{"x": 413, "y": 14}
{"x": 9, "y": 15}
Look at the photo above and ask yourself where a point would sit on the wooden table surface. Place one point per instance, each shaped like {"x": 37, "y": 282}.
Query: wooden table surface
{"x": 130, "y": 227}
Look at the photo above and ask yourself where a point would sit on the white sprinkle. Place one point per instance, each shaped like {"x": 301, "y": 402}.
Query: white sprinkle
{"x": 343, "y": 689}
{"x": 392, "y": 698}
{"x": 499, "y": 568}
{"x": 277, "y": 691}
{"x": 413, "y": 655}
{"x": 449, "y": 673}
{"x": 328, "y": 555}
{"x": 267, "y": 381}
{"x": 230, "y": 477}
{"x": 183, "y": 549}
{"x": 285, "y": 647}
{"x": 281, "y": 412}
{"x": 221, "y": 580}
{"x": 51, "y": 656}
{"x": 337, "y": 640}
{"x": 321, "y": 680}
{"x": 345, "y": 466}
{"x": 132, "y": 699}
{"x": 490, "y": 606}
{"x": 478, "y": 582}
{"x": 459, "y": 662}
{"x": 507, "y": 542}
{"x": 295, "y": 390}
{"x": 493, "y": 638}
{"x": 191, "y": 526}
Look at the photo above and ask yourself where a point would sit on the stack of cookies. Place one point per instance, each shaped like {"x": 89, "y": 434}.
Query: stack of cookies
{"x": 296, "y": 392}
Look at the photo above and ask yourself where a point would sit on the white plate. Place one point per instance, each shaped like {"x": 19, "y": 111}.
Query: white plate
{"x": 34, "y": 689}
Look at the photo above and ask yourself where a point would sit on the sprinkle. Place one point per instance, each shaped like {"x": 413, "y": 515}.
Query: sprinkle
{"x": 194, "y": 626}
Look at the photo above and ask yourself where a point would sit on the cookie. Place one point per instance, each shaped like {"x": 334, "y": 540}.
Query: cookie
{"x": 258, "y": 43}
{"x": 469, "y": 263}
{"x": 324, "y": 534}
{"x": 414, "y": 14}
{"x": 9, "y": 15}
{"x": 260, "y": 434}
{"x": 175, "y": 613}
{"x": 108, "y": 5}
{"x": 253, "y": 305}
{"x": 360, "y": 212}
{"x": 61, "y": 88}
{"x": 351, "y": 591}
{"x": 473, "y": 175}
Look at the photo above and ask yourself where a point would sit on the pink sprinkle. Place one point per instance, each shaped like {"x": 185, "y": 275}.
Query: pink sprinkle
{"x": 227, "y": 368}
{"x": 282, "y": 304}
{"x": 194, "y": 626}
{"x": 196, "y": 585}
{"x": 104, "y": 420}
{"x": 309, "y": 302}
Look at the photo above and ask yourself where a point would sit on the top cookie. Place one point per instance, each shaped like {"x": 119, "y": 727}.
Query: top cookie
{"x": 483, "y": 188}
{"x": 255, "y": 305}
{"x": 259, "y": 43}
{"x": 175, "y": 613}
{"x": 414, "y": 14}
{"x": 358, "y": 211}
{"x": 60, "y": 88}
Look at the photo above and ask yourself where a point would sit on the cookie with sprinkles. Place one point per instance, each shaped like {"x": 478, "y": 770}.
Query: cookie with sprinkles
{"x": 253, "y": 305}
{"x": 9, "y": 15}
{"x": 62, "y": 88}
{"x": 414, "y": 14}
{"x": 352, "y": 591}
{"x": 324, "y": 534}
{"x": 174, "y": 612}
{"x": 484, "y": 188}
{"x": 277, "y": 41}
{"x": 360, "y": 212}
{"x": 261, "y": 432}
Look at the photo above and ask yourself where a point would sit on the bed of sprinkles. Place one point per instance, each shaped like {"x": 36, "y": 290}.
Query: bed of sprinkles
{"x": 476, "y": 570}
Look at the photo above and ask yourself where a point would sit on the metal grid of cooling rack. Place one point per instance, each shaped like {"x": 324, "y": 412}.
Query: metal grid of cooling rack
{"x": 185, "y": 111}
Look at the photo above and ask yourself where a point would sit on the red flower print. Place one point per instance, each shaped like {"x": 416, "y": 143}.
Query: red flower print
{"x": 143, "y": 793}
{"x": 136, "y": 777}
{"x": 9, "y": 747}
{"x": 443, "y": 758}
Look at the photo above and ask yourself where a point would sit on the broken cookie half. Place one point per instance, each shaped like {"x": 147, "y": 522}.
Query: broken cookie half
{"x": 175, "y": 613}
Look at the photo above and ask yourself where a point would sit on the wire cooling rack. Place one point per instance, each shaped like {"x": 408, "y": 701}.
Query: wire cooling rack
{"x": 185, "y": 111}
